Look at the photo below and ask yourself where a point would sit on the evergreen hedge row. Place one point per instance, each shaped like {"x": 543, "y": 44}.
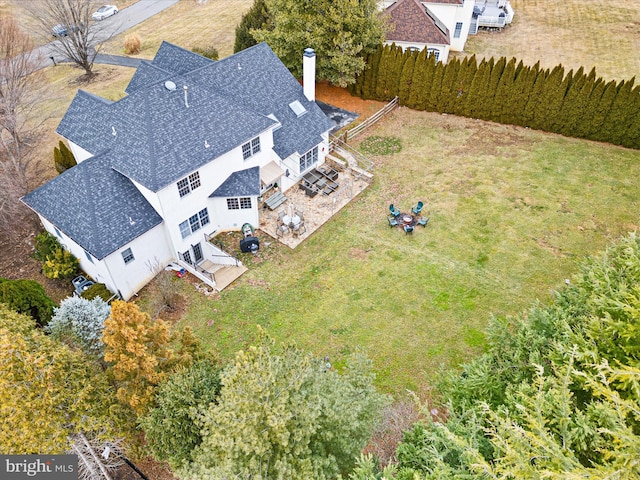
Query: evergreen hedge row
{"x": 575, "y": 104}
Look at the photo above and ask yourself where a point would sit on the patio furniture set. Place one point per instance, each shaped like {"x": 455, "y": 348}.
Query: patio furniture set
{"x": 290, "y": 222}
{"x": 407, "y": 221}
{"x": 319, "y": 180}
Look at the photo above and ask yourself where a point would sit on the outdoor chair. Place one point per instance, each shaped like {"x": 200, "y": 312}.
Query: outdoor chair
{"x": 281, "y": 230}
{"x": 394, "y": 211}
{"x": 418, "y": 208}
{"x": 423, "y": 221}
{"x": 408, "y": 229}
{"x": 392, "y": 221}
{"x": 299, "y": 229}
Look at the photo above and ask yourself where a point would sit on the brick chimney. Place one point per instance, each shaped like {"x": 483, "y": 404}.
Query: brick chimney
{"x": 309, "y": 74}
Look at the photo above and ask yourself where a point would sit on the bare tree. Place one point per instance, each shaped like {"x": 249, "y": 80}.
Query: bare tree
{"x": 78, "y": 38}
{"x": 21, "y": 91}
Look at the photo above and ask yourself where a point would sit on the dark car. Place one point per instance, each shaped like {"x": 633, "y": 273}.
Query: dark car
{"x": 63, "y": 30}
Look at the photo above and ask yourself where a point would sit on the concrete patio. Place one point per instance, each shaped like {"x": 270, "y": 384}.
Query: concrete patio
{"x": 315, "y": 211}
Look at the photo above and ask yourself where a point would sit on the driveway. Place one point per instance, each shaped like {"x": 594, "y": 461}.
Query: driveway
{"x": 112, "y": 26}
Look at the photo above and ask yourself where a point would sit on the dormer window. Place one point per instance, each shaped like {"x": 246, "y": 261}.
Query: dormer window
{"x": 187, "y": 184}
{"x": 249, "y": 149}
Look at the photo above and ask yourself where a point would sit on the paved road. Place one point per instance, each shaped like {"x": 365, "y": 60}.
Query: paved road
{"x": 124, "y": 20}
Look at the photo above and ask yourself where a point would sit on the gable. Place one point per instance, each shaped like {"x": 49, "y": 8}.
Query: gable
{"x": 240, "y": 184}
{"x": 411, "y": 23}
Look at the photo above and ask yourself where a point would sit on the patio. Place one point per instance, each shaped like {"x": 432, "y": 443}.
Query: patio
{"x": 315, "y": 210}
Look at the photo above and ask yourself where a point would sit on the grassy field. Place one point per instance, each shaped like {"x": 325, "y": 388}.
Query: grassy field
{"x": 573, "y": 33}
{"x": 512, "y": 211}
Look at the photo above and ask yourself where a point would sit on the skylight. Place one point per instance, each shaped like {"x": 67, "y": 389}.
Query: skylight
{"x": 297, "y": 108}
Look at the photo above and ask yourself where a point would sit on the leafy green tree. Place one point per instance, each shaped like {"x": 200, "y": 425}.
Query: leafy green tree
{"x": 284, "y": 414}
{"x": 435, "y": 89}
{"x": 45, "y": 245}
{"x": 63, "y": 159}
{"x": 406, "y": 77}
{"x": 171, "y": 427}
{"x": 48, "y": 391}
{"x": 341, "y": 32}
{"x": 80, "y": 321}
{"x": 504, "y": 90}
{"x": 371, "y": 74}
{"x": 477, "y": 89}
{"x": 601, "y": 110}
{"x": 624, "y": 106}
{"x": 28, "y": 297}
{"x": 449, "y": 89}
{"x": 257, "y": 17}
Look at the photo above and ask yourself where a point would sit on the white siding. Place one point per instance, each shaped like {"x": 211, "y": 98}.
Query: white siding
{"x": 451, "y": 14}
{"x": 79, "y": 153}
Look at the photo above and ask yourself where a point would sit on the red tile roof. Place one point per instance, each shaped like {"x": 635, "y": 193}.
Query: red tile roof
{"x": 411, "y": 23}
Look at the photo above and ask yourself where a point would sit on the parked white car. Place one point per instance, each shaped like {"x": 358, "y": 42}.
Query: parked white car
{"x": 104, "y": 12}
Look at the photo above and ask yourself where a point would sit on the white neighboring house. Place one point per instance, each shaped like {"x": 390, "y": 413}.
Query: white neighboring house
{"x": 185, "y": 154}
{"x": 442, "y": 26}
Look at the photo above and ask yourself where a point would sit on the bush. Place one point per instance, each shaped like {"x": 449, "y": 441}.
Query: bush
{"x": 63, "y": 159}
{"x": 97, "y": 290}
{"x": 81, "y": 321}
{"x": 28, "y": 297}
{"x": 61, "y": 264}
{"x": 46, "y": 244}
{"x": 210, "y": 52}
{"x": 132, "y": 44}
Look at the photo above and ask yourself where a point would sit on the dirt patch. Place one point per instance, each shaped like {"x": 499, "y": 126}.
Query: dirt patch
{"x": 359, "y": 254}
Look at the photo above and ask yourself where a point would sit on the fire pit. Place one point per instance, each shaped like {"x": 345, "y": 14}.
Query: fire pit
{"x": 407, "y": 219}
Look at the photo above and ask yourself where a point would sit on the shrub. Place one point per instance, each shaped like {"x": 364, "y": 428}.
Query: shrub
{"x": 28, "y": 297}
{"x": 61, "y": 264}
{"x": 132, "y": 44}
{"x": 81, "y": 321}
{"x": 97, "y": 290}
{"x": 63, "y": 159}
{"x": 210, "y": 52}
{"x": 46, "y": 244}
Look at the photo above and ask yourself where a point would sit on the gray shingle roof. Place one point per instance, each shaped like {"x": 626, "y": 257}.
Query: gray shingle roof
{"x": 146, "y": 74}
{"x": 240, "y": 184}
{"x": 177, "y": 60}
{"x": 95, "y": 206}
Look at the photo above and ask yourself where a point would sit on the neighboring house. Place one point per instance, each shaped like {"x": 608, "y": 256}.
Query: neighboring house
{"x": 187, "y": 153}
{"x": 442, "y": 26}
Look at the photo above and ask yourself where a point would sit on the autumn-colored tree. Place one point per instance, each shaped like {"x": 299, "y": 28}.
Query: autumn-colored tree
{"x": 47, "y": 391}
{"x": 138, "y": 349}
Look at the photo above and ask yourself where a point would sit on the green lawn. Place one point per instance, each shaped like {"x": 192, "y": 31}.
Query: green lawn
{"x": 512, "y": 211}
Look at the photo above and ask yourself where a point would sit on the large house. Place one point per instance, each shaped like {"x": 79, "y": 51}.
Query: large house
{"x": 187, "y": 153}
{"x": 441, "y": 26}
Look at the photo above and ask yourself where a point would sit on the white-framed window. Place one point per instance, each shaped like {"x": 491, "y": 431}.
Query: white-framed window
{"x": 194, "y": 223}
{"x": 249, "y": 149}
{"x": 127, "y": 256}
{"x": 187, "y": 184}
{"x": 435, "y": 52}
{"x": 239, "y": 203}
{"x": 458, "y": 30}
{"x": 309, "y": 159}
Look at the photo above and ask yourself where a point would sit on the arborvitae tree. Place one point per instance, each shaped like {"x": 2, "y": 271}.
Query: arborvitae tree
{"x": 477, "y": 89}
{"x": 406, "y": 77}
{"x": 621, "y": 113}
{"x": 522, "y": 90}
{"x": 467, "y": 71}
{"x": 256, "y": 17}
{"x": 436, "y": 88}
{"x": 63, "y": 159}
{"x": 385, "y": 71}
{"x": 529, "y": 112}
{"x": 448, "y": 90}
{"x": 419, "y": 72}
{"x": 485, "y": 107}
{"x": 548, "y": 100}
{"x": 28, "y": 297}
{"x": 602, "y": 110}
{"x": 631, "y": 132}
{"x": 572, "y": 104}
{"x": 401, "y": 58}
{"x": 594, "y": 91}
{"x": 371, "y": 77}
{"x": 426, "y": 81}
{"x": 504, "y": 90}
